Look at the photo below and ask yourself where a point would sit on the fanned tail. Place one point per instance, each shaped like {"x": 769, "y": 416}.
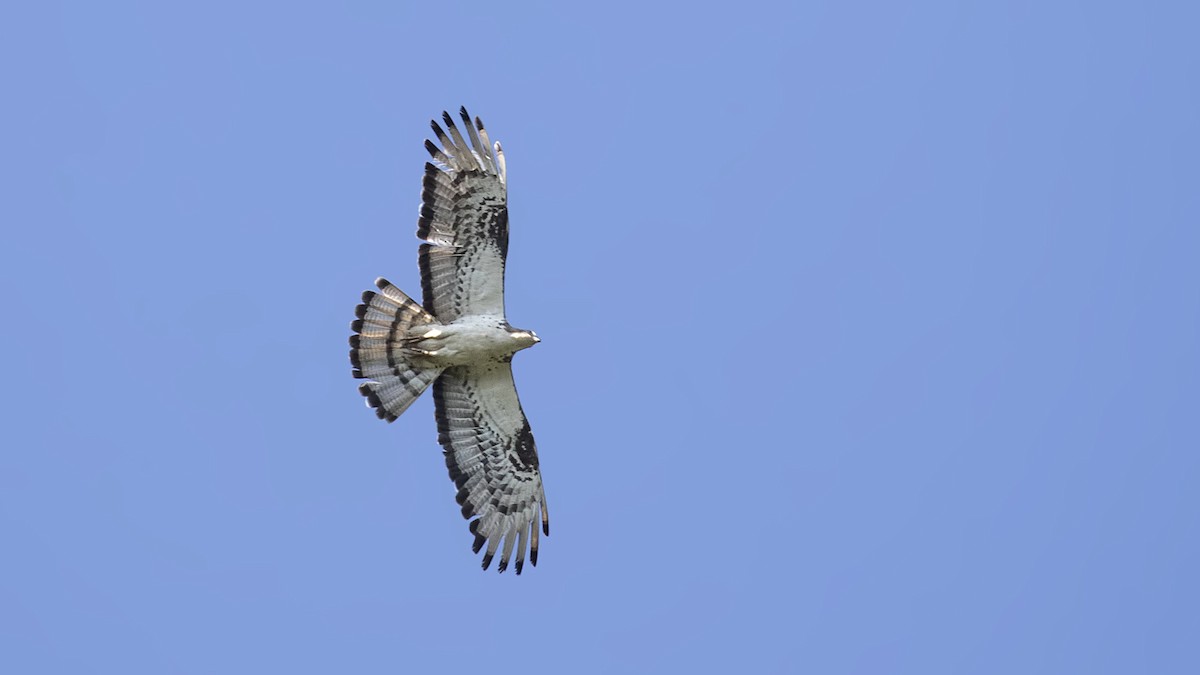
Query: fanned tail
{"x": 378, "y": 351}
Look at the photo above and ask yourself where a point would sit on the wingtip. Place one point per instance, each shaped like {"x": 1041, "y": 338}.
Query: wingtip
{"x": 487, "y": 560}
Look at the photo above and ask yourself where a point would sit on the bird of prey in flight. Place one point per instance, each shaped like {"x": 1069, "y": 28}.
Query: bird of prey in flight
{"x": 459, "y": 341}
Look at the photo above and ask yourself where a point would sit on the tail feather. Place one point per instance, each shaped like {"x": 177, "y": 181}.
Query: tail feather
{"x": 378, "y": 352}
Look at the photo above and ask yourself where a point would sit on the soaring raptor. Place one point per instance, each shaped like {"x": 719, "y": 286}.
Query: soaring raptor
{"x": 460, "y": 342}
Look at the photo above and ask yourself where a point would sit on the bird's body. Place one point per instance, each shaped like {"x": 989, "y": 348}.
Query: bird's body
{"x": 469, "y": 340}
{"x": 460, "y": 342}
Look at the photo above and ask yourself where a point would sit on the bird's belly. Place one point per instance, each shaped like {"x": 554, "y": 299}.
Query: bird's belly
{"x": 465, "y": 343}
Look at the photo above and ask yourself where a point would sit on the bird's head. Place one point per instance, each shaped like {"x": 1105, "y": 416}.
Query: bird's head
{"x": 523, "y": 338}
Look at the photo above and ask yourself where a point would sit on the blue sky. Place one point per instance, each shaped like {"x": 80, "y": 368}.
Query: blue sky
{"x": 871, "y": 337}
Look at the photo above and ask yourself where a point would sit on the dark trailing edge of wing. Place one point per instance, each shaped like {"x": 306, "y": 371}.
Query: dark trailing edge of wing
{"x": 428, "y": 197}
{"x": 424, "y": 264}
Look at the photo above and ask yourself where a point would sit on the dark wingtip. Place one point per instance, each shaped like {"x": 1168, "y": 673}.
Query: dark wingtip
{"x": 520, "y": 565}
{"x": 354, "y": 340}
{"x": 441, "y": 135}
{"x": 533, "y": 556}
{"x": 503, "y": 565}
{"x": 356, "y": 325}
{"x": 487, "y": 560}
{"x": 368, "y": 296}
{"x": 361, "y": 311}
{"x": 447, "y": 119}
{"x": 432, "y": 149}
{"x": 546, "y": 527}
{"x": 382, "y": 283}
{"x": 480, "y": 540}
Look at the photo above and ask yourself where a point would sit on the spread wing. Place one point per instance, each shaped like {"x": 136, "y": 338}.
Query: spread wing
{"x": 492, "y": 459}
{"x": 464, "y": 222}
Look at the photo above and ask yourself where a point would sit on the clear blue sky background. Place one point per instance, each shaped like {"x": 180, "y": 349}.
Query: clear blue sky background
{"x": 871, "y": 337}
